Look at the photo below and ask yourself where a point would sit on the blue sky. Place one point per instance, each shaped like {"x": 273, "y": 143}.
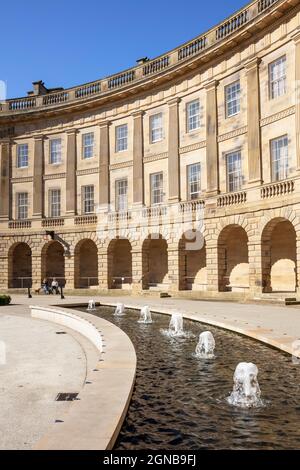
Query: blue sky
{"x": 66, "y": 43}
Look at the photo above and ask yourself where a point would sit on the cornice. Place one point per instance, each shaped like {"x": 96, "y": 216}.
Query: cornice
{"x": 278, "y": 116}
{"x": 118, "y": 166}
{"x": 192, "y": 147}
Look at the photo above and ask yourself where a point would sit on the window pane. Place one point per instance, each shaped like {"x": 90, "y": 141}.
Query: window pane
{"x": 88, "y": 145}
{"x": 277, "y": 78}
{"x": 22, "y": 159}
{"x": 156, "y": 128}
{"x": 193, "y": 115}
{"x": 54, "y": 203}
{"x": 279, "y": 157}
{"x": 232, "y": 96}
{"x": 234, "y": 171}
{"x": 88, "y": 199}
{"x": 157, "y": 194}
{"x": 194, "y": 181}
{"x": 121, "y": 138}
{"x": 22, "y": 206}
{"x": 121, "y": 195}
{"x": 55, "y": 151}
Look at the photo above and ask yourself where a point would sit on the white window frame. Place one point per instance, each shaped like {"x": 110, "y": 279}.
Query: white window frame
{"x": 279, "y": 150}
{"x": 121, "y": 195}
{"x": 22, "y": 156}
{"x": 122, "y": 138}
{"x": 55, "y": 148}
{"x": 193, "y": 115}
{"x": 54, "y": 206}
{"x": 234, "y": 173}
{"x": 88, "y": 147}
{"x": 194, "y": 181}
{"x": 277, "y": 78}
{"x": 233, "y": 99}
{"x": 157, "y": 188}
{"x": 88, "y": 199}
{"x": 156, "y": 128}
{"x": 22, "y": 205}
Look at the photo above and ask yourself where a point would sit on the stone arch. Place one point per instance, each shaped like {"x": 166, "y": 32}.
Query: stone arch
{"x": 119, "y": 264}
{"x": 279, "y": 256}
{"x": 53, "y": 262}
{"x": 19, "y": 265}
{"x": 192, "y": 261}
{"x": 233, "y": 259}
{"x": 85, "y": 264}
{"x": 154, "y": 262}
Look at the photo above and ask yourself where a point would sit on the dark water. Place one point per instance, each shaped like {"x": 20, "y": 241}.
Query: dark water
{"x": 179, "y": 402}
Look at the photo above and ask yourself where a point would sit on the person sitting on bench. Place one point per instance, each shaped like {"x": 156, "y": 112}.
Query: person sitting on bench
{"x": 54, "y": 286}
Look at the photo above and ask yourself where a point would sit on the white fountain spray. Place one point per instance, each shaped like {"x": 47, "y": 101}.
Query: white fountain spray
{"x": 145, "y": 315}
{"x": 120, "y": 310}
{"x": 206, "y": 346}
{"x": 176, "y": 325}
{"x": 246, "y": 392}
{"x": 91, "y": 306}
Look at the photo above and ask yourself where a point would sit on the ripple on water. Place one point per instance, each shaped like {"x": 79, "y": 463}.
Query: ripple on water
{"x": 179, "y": 401}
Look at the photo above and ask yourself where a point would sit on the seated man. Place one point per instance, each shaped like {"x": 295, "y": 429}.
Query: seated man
{"x": 54, "y": 286}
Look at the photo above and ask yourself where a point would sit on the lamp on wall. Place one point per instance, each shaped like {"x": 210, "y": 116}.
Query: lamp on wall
{"x": 49, "y": 235}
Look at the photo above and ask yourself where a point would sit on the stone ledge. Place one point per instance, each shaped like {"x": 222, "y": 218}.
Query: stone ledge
{"x": 95, "y": 419}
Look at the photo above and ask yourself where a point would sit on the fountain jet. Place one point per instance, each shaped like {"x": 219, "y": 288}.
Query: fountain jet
{"x": 145, "y": 315}
{"x": 206, "y": 346}
{"x": 176, "y": 324}
{"x": 91, "y": 306}
{"x": 246, "y": 392}
{"x": 120, "y": 310}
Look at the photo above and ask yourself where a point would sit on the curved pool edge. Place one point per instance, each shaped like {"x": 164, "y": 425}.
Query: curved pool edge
{"x": 263, "y": 335}
{"x": 96, "y": 417}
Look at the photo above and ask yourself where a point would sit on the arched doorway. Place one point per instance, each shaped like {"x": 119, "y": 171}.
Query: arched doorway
{"x": 119, "y": 264}
{"x": 86, "y": 264}
{"x": 155, "y": 262}
{"x": 19, "y": 266}
{"x": 233, "y": 259}
{"x": 192, "y": 262}
{"x": 53, "y": 262}
{"x": 279, "y": 259}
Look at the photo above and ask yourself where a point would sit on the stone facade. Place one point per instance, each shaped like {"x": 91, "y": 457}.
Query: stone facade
{"x": 244, "y": 240}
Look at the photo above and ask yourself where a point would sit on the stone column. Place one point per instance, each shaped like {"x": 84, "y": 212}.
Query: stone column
{"x": 5, "y": 179}
{"x": 255, "y": 268}
{"x": 173, "y": 158}
{"x": 253, "y": 113}
{"x": 36, "y": 269}
{"x": 137, "y": 270}
{"x": 138, "y": 156}
{"x": 38, "y": 172}
{"x": 71, "y": 179}
{"x": 173, "y": 266}
{"x": 212, "y": 267}
{"x": 298, "y": 264}
{"x": 104, "y": 161}
{"x": 70, "y": 270}
{"x": 103, "y": 268}
{"x": 212, "y": 147}
{"x": 297, "y": 93}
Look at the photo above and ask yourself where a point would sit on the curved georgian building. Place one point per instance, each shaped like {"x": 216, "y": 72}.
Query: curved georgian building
{"x": 180, "y": 174}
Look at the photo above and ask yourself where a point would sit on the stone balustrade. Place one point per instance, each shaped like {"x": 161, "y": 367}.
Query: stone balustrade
{"x": 56, "y": 222}
{"x": 232, "y": 199}
{"x": 19, "y": 224}
{"x": 86, "y": 220}
{"x": 282, "y": 188}
{"x": 191, "y": 206}
{"x": 156, "y": 66}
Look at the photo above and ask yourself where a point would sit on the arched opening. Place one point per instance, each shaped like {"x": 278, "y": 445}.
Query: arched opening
{"x": 86, "y": 264}
{"x": 233, "y": 259}
{"x": 119, "y": 264}
{"x": 155, "y": 262}
{"x": 192, "y": 262}
{"x": 279, "y": 261}
{"x": 53, "y": 262}
{"x": 19, "y": 266}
